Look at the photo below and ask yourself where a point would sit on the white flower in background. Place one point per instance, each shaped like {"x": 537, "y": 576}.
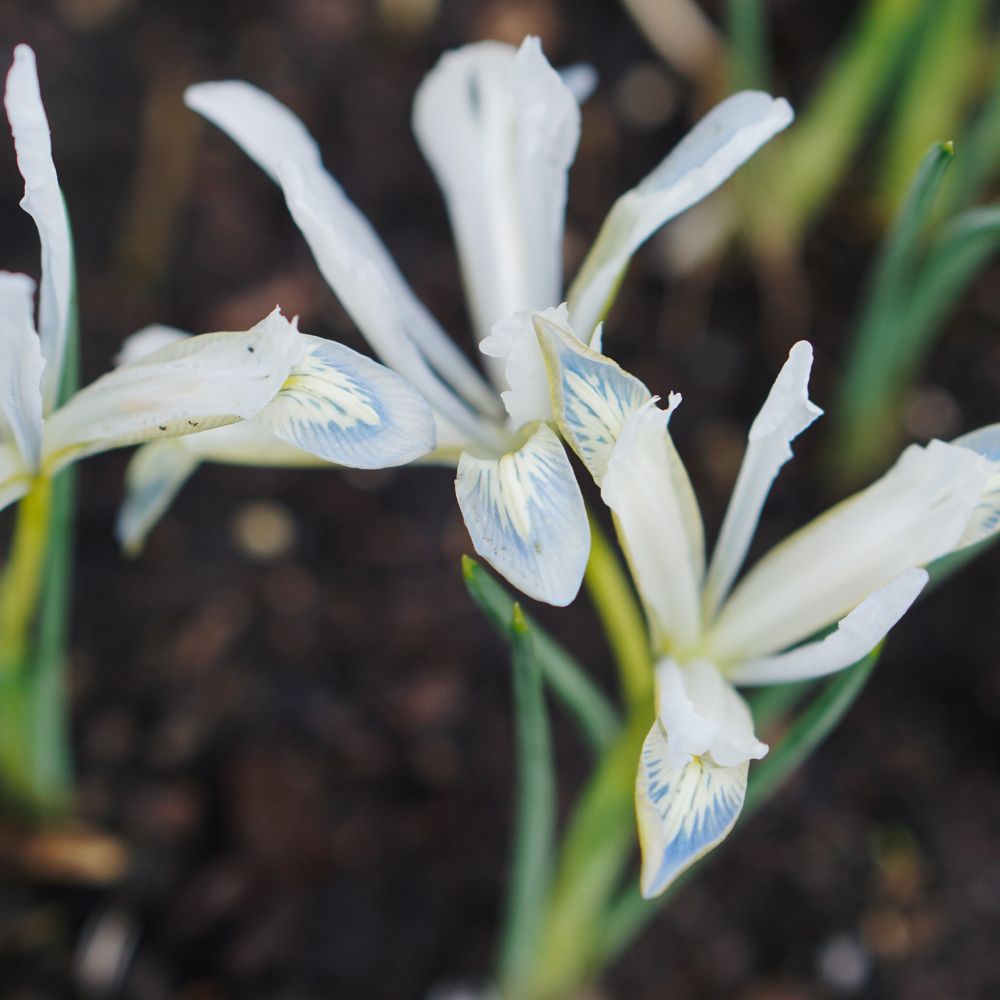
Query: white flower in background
{"x": 858, "y": 568}
{"x": 308, "y": 392}
{"x": 500, "y": 128}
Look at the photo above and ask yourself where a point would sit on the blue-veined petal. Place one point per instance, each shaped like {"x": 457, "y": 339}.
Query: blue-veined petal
{"x": 592, "y": 396}
{"x": 682, "y": 812}
{"x": 914, "y": 514}
{"x": 21, "y": 367}
{"x": 786, "y": 413}
{"x": 348, "y": 409}
{"x": 43, "y": 201}
{"x": 659, "y": 525}
{"x": 500, "y": 128}
{"x": 186, "y": 387}
{"x": 526, "y": 517}
{"x": 985, "y": 519}
{"x": 724, "y": 139}
{"x": 855, "y": 636}
{"x": 348, "y": 252}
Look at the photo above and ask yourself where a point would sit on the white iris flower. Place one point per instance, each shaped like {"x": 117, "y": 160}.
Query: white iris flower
{"x": 857, "y": 568}
{"x": 500, "y": 129}
{"x": 307, "y": 392}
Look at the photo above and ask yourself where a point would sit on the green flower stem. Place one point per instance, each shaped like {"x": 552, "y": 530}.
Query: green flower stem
{"x": 621, "y": 618}
{"x": 21, "y": 583}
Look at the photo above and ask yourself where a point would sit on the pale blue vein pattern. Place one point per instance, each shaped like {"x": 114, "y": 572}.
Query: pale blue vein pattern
{"x": 348, "y": 409}
{"x": 526, "y": 516}
{"x": 594, "y": 397}
{"x": 683, "y": 812}
{"x": 985, "y": 519}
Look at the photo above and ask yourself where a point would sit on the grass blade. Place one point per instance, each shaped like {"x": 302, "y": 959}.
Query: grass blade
{"x": 569, "y": 681}
{"x": 534, "y": 816}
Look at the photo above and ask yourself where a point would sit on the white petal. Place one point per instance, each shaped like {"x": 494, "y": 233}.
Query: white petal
{"x": 985, "y": 519}
{"x": 855, "y": 636}
{"x": 21, "y": 367}
{"x": 145, "y": 341}
{"x": 348, "y": 409}
{"x": 723, "y": 140}
{"x": 526, "y": 517}
{"x": 515, "y": 342}
{"x": 647, "y": 488}
{"x": 703, "y": 715}
{"x": 682, "y": 812}
{"x": 186, "y": 387}
{"x": 155, "y": 475}
{"x": 500, "y": 129}
{"x": 43, "y": 201}
{"x": 347, "y": 250}
{"x": 915, "y": 513}
{"x": 15, "y": 479}
{"x": 786, "y": 413}
{"x": 592, "y": 396}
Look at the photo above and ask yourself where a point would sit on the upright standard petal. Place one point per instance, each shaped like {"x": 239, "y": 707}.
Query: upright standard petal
{"x": 21, "y": 367}
{"x": 348, "y": 409}
{"x": 656, "y": 513}
{"x": 720, "y": 143}
{"x": 500, "y": 129}
{"x": 526, "y": 517}
{"x": 183, "y": 388}
{"x": 349, "y": 253}
{"x": 682, "y": 812}
{"x": 786, "y": 413}
{"x": 591, "y": 396}
{"x": 915, "y": 513}
{"x": 43, "y": 201}
{"x": 985, "y": 519}
{"x": 855, "y": 636}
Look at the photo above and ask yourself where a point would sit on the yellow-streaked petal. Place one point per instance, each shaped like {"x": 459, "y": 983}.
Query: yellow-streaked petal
{"x": 682, "y": 812}
{"x": 526, "y": 517}
{"x": 591, "y": 396}
{"x": 348, "y": 409}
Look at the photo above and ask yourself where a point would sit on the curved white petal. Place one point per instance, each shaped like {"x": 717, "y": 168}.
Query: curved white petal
{"x": 786, "y": 413}
{"x": 347, "y": 250}
{"x": 500, "y": 129}
{"x": 592, "y": 396}
{"x": 154, "y": 477}
{"x": 526, "y": 517}
{"x": 855, "y": 636}
{"x": 682, "y": 812}
{"x": 43, "y": 201}
{"x": 985, "y": 519}
{"x": 915, "y": 513}
{"x": 703, "y": 715}
{"x": 348, "y": 409}
{"x": 515, "y": 342}
{"x": 145, "y": 341}
{"x": 186, "y": 387}
{"x": 647, "y": 488}
{"x": 15, "y": 479}
{"x": 721, "y": 142}
{"x": 21, "y": 367}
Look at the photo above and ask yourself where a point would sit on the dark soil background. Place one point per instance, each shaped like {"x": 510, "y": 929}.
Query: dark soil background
{"x": 289, "y": 710}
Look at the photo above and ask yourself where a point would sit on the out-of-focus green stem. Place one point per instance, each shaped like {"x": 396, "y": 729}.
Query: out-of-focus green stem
{"x": 21, "y": 582}
{"x": 621, "y": 618}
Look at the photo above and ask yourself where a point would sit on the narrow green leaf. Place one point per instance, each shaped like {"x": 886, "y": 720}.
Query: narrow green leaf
{"x": 750, "y": 61}
{"x": 880, "y": 345}
{"x": 930, "y": 101}
{"x": 530, "y": 871}
{"x": 567, "y": 678}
